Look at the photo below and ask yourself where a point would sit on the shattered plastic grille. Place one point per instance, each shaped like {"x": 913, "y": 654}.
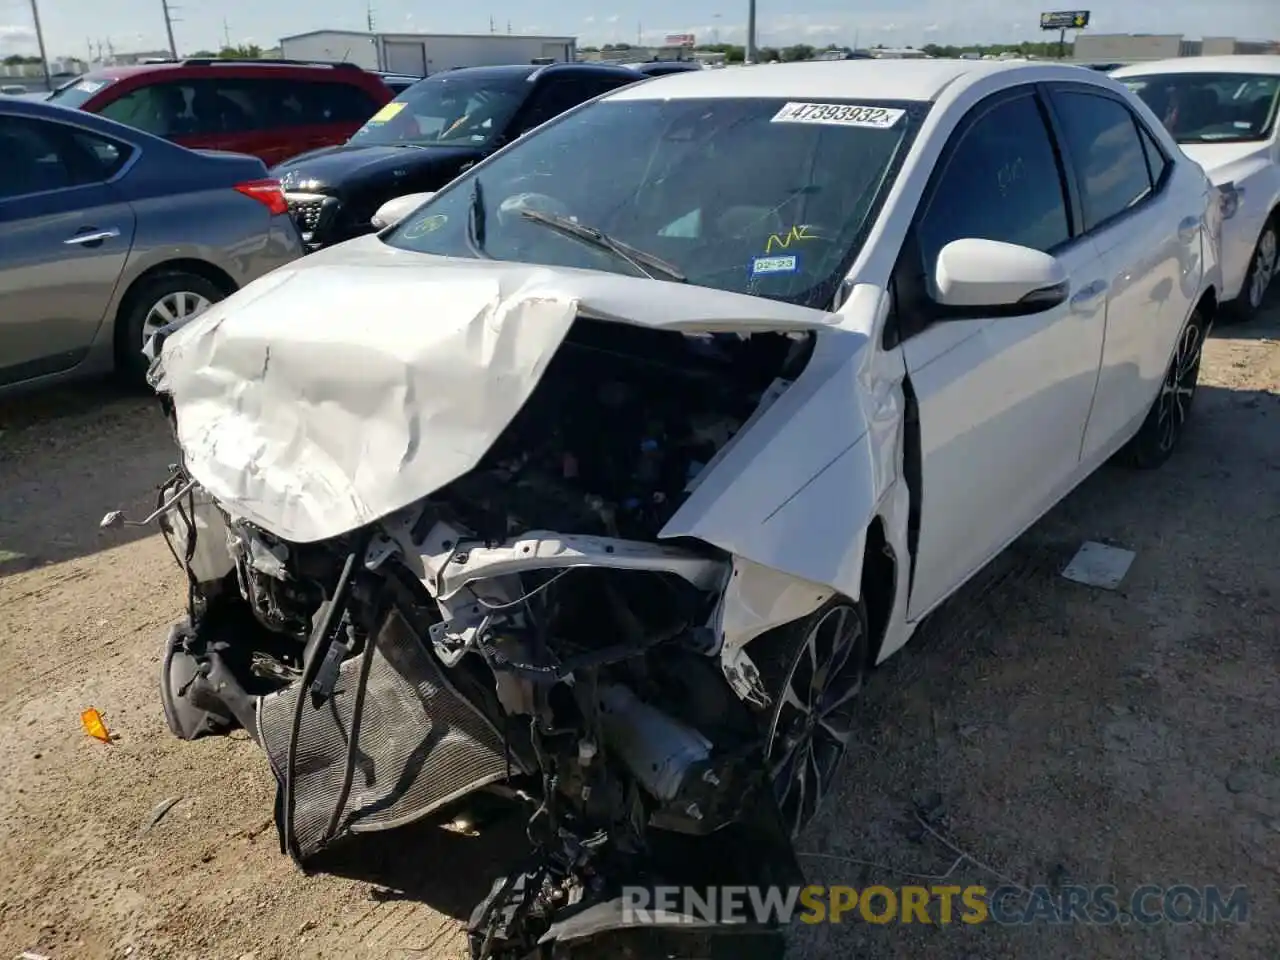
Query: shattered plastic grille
{"x": 307, "y": 211}
{"x": 419, "y": 746}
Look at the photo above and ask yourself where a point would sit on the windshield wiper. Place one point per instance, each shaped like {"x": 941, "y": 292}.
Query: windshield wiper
{"x": 646, "y": 263}
{"x": 476, "y": 220}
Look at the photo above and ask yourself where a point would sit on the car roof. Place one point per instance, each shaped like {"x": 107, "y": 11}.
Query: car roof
{"x": 874, "y": 79}
{"x": 133, "y": 70}
{"x": 1230, "y": 63}
{"x": 530, "y": 71}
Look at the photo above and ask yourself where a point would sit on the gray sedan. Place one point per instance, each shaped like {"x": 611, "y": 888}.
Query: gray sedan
{"x": 107, "y": 234}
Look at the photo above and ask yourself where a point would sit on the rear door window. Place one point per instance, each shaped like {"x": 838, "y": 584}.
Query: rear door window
{"x": 313, "y": 103}
{"x": 327, "y": 102}
{"x": 1102, "y": 137}
{"x": 555, "y": 97}
{"x": 37, "y": 156}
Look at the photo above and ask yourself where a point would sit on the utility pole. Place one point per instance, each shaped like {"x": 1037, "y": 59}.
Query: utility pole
{"x": 368, "y": 17}
{"x": 168, "y": 26}
{"x": 44, "y": 58}
{"x": 751, "y": 32}
{"x": 226, "y": 33}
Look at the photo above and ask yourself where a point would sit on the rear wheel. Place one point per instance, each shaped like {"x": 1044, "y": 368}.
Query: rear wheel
{"x": 813, "y": 671}
{"x": 1262, "y": 270}
{"x": 157, "y": 302}
{"x": 1160, "y": 432}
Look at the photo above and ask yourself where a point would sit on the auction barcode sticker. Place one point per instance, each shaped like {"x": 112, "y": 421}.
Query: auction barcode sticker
{"x": 839, "y": 114}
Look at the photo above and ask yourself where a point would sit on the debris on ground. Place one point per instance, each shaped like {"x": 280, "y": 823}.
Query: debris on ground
{"x": 93, "y": 725}
{"x": 158, "y": 813}
{"x": 1099, "y": 565}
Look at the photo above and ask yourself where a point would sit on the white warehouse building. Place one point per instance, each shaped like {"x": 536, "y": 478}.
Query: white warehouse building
{"x": 420, "y": 54}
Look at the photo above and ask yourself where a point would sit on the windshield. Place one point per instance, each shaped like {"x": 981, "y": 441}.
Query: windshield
{"x": 756, "y": 196}
{"x": 1210, "y": 107}
{"x": 446, "y": 110}
{"x": 75, "y": 93}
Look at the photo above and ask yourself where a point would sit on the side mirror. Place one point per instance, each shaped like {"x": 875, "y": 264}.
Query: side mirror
{"x": 985, "y": 277}
{"x": 393, "y": 211}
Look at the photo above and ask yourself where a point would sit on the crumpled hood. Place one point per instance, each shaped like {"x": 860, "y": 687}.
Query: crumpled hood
{"x": 356, "y": 381}
{"x": 1227, "y": 162}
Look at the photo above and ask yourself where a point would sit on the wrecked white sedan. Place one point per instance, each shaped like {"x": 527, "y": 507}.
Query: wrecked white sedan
{"x": 602, "y": 478}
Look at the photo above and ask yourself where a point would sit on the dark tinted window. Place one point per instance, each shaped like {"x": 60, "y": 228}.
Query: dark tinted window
{"x": 1102, "y": 136}
{"x": 106, "y": 157}
{"x": 595, "y": 86}
{"x": 30, "y": 161}
{"x": 555, "y": 96}
{"x": 238, "y": 105}
{"x": 187, "y": 107}
{"x": 37, "y": 156}
{"x": 1001, "y": 183}
{"x": 326, "y": 102}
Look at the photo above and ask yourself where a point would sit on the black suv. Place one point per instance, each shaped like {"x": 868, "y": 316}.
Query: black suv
{"x": 429, "y": 134}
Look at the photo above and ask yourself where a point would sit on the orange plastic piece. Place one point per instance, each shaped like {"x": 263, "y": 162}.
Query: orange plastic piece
{"x": 91, "y": 719}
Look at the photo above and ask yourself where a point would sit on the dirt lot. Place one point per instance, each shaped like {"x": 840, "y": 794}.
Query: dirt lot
{"x": 1054, "y": 733}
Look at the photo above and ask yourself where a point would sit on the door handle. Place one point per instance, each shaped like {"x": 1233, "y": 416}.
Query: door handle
{"x": 1188, "y": 229}
{"x": 1086, "y": 295}
{"x": 97, "y": 236}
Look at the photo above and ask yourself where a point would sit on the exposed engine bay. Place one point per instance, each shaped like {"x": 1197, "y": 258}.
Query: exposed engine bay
{"x": 620, "y": 428}
{"x": 518, "y": 631}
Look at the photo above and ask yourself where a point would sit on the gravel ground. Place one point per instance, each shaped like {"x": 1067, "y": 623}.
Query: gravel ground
{"x": 1053, "y": 733}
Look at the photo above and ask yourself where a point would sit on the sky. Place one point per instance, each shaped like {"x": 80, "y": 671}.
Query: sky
{"x": 137, "y": 25}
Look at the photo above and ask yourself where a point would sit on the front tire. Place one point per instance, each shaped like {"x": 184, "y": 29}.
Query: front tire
{"x": 1160, "y": 431}
{"x": 813, "y": 671}
{"x": 153, "y": 304}
{"x": 1262, "y": 270}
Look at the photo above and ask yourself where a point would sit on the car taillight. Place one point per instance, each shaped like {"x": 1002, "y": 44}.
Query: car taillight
{"x": 266, "y": 192}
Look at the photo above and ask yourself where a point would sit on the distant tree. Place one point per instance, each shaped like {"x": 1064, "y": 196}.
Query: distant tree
{"x": 795, "y": 52}
{"x": 733, "y": 53}
{"x": 768, "y": 54}
{"x": 204, "y": 55}
{"x": 17, "y": 60}
{"x": 589, "y": 49}
{"x": 250, "y": 51}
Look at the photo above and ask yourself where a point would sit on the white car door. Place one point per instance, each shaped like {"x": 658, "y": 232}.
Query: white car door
{"x": 1003, "y": 400}
{"x": 1150, "y": 239}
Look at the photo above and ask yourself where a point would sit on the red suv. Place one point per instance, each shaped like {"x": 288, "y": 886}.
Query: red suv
{"x": 270, "y": 109}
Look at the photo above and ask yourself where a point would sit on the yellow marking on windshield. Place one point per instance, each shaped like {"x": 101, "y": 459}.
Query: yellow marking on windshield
{"x": 783, "y": 241}
{"x": 387, "y": 112}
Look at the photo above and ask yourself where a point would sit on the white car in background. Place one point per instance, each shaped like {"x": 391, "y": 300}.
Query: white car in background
{"x": 1222, "y": 111}
{"x": 711, "y": 388}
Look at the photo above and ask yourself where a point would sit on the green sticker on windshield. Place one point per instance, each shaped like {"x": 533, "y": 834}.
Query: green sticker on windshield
{"x": 420, "y": 228}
